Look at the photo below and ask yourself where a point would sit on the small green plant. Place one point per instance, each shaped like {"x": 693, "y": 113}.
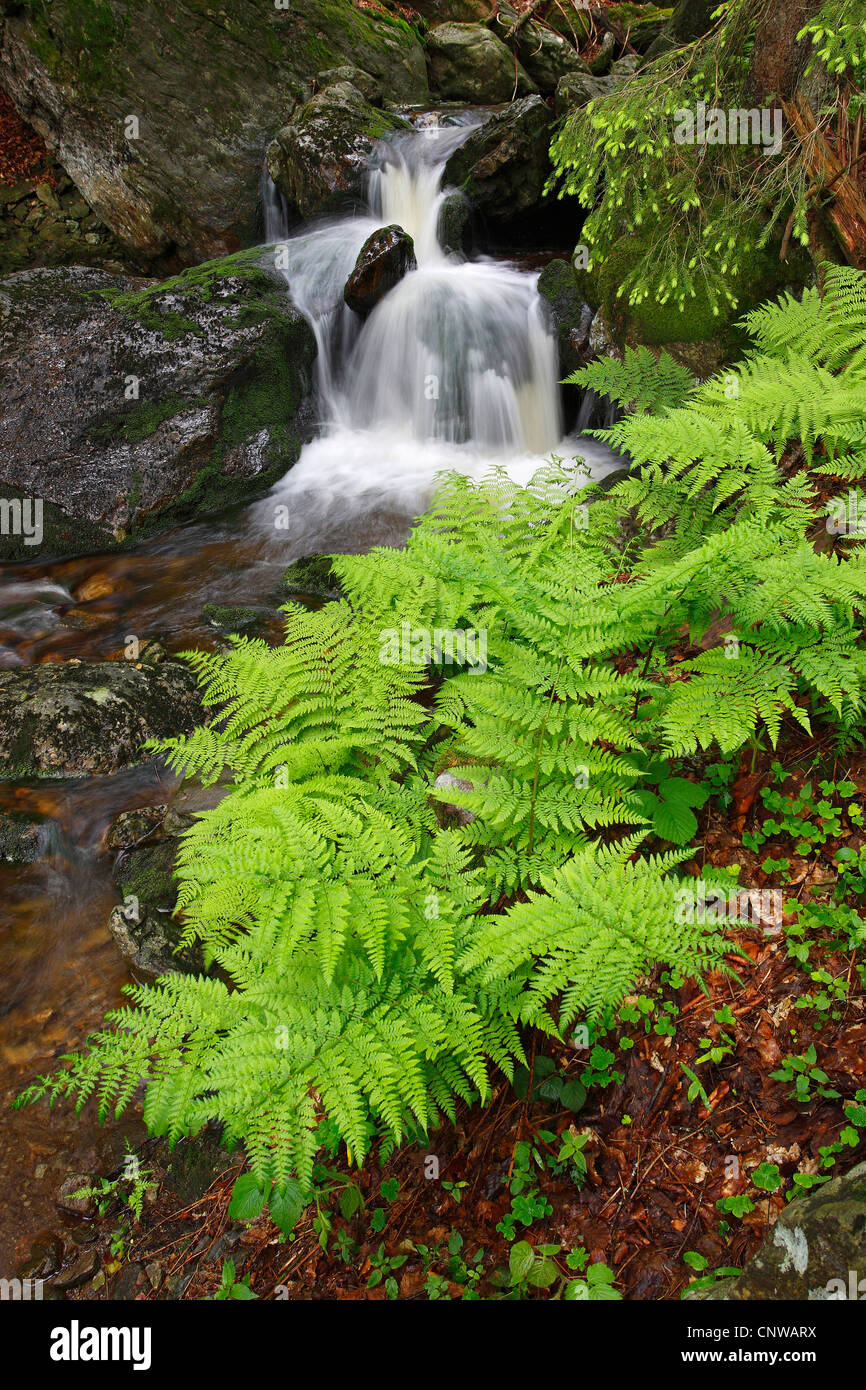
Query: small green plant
{"x": 382, "y": 1270}
{"x": 809, "y": 1079}
{"x": 232, "y": 1287}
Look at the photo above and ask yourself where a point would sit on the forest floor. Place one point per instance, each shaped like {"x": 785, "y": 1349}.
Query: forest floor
{"x": 662, "y": 1137}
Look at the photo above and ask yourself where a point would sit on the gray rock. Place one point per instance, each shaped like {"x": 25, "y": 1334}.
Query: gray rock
{"x": 370, "y": 87}
{"x": 455, "y": 215}
{"x": 386, "y": 256}
{"x": 207, "y": 84}
{"x": 545, "y": 55}
{"x": 503, "y": 166}
{"x": 311, "y": 576}
{"x": 127, "y": 407}
{"x": 23, "y": 838}
{"x": 71, "y": 719}
{"x": 319, "y": 161}
{"x": 815, "y": 1251}
{"x": 143, "y": 926}
{"x": 76, "y": 1206}
{"x": 469, "y": 63}
{"x": 571, "y": 316}
{"x": 226, "y": 617}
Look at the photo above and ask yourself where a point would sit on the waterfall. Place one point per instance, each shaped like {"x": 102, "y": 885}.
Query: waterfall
{"x": 455, "y": 369}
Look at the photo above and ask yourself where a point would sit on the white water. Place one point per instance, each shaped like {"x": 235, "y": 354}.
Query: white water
{"x": 455, "y": 369}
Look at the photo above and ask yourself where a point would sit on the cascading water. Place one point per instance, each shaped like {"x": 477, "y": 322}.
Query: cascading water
{"x": 455, "y": 369}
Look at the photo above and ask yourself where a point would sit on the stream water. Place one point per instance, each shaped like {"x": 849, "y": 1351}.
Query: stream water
{"x": 455, "y": 369}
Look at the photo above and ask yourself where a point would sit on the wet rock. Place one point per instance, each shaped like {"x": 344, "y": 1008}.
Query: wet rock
{"x": 370, "y": 87}
{"x": 126, "y": 407}
{"x": 208, "y": 85}
{"x": 545, "y": 55}
{"x": 226, "y": 617}
{"x": 503, "y": 166}
{"x": 76, "y": 1206}
{"x": 129, "y": 1282}
{"x": 319, "y": 161}
{"x": 44, "y": 1259}
{"x": 132, "y": 827}
{"x": 78, "y": 1273}
{"x": 313, "y": 577}
{"x": 24, "y": 838}
{"x": 72, "y": 719}
{"x": 815, "y": 1251}
{"x": 578, "y": 89}
{"x": 142, "y": 926}
{"x": 571, "y": 316}
{"x": 455, "y": 215}
{"x": 469, "y": 63}
{"x": 386, "y": 256}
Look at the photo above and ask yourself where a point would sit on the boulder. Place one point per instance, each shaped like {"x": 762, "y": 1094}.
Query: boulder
{"x": 386, "y": 256}
{"x": 455, "y": 215}
{"x": 310, "y": 577}
{"x": 545, "y": 55}
{"x": 160, "y": 114}
{"x": 25, "y": 838}
{"x": 143, "y": 926}
{"x": 816, "y": 1251}
{"x": 460, "y": 11}
{"x": 578, "y": 89}
{"x": 126, "y": 406}
{"x": 233, "y": 618}
{"x": 370, "y": 87}
{"x": 503, "y": 167}
{"x": 320, "y": 160}
{"x": 469, "y": 63}
{"x": 570, "y": 315}
{"x": 642, "y": 23}
{"x": 72, "y": 719}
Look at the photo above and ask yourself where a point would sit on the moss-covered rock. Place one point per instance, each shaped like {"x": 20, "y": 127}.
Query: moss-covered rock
{"x": 207, "y": 84}
{"x": 231, "y": 618}
{"x": 815, "y": 1252}
{"x": 546, "y": 55}
{"x": 143, "y": 926}
{"x": 127, "y": 406}
{"x": 311, "y": 577}
{"x": 503, "y": 167}
{"x": 72, "y": 719}
{"x": 762, "y": 276}
{"x": 319, "y": 161}
{"x": 469, "y": 63}
{"x": 570, "y": 314}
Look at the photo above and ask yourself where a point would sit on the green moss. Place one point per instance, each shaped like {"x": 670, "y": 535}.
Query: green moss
{"x": 761, "y": 277}
{"x": 96, "y": 32}
{"x": 200, "y": 282}
{"x": 141, "y": 421}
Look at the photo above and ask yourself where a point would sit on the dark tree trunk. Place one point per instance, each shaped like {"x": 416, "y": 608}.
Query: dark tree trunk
{"x": 779, "y": 60}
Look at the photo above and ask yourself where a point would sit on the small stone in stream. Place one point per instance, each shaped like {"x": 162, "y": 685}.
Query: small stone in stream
{"x": 131, "y": 827}
{"x": 386, "y": 256}
{"x": 24, "y": 839}
{"x": 84, "y": 1268}
{"x": 312, "y": 575}
{"x": 44, "y": 1259}
{"x": 227, "y": 618}
{"x": 77, "y": 1206}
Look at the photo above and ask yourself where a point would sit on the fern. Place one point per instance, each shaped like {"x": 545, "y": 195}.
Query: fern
{"x": 375, "y": 958}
